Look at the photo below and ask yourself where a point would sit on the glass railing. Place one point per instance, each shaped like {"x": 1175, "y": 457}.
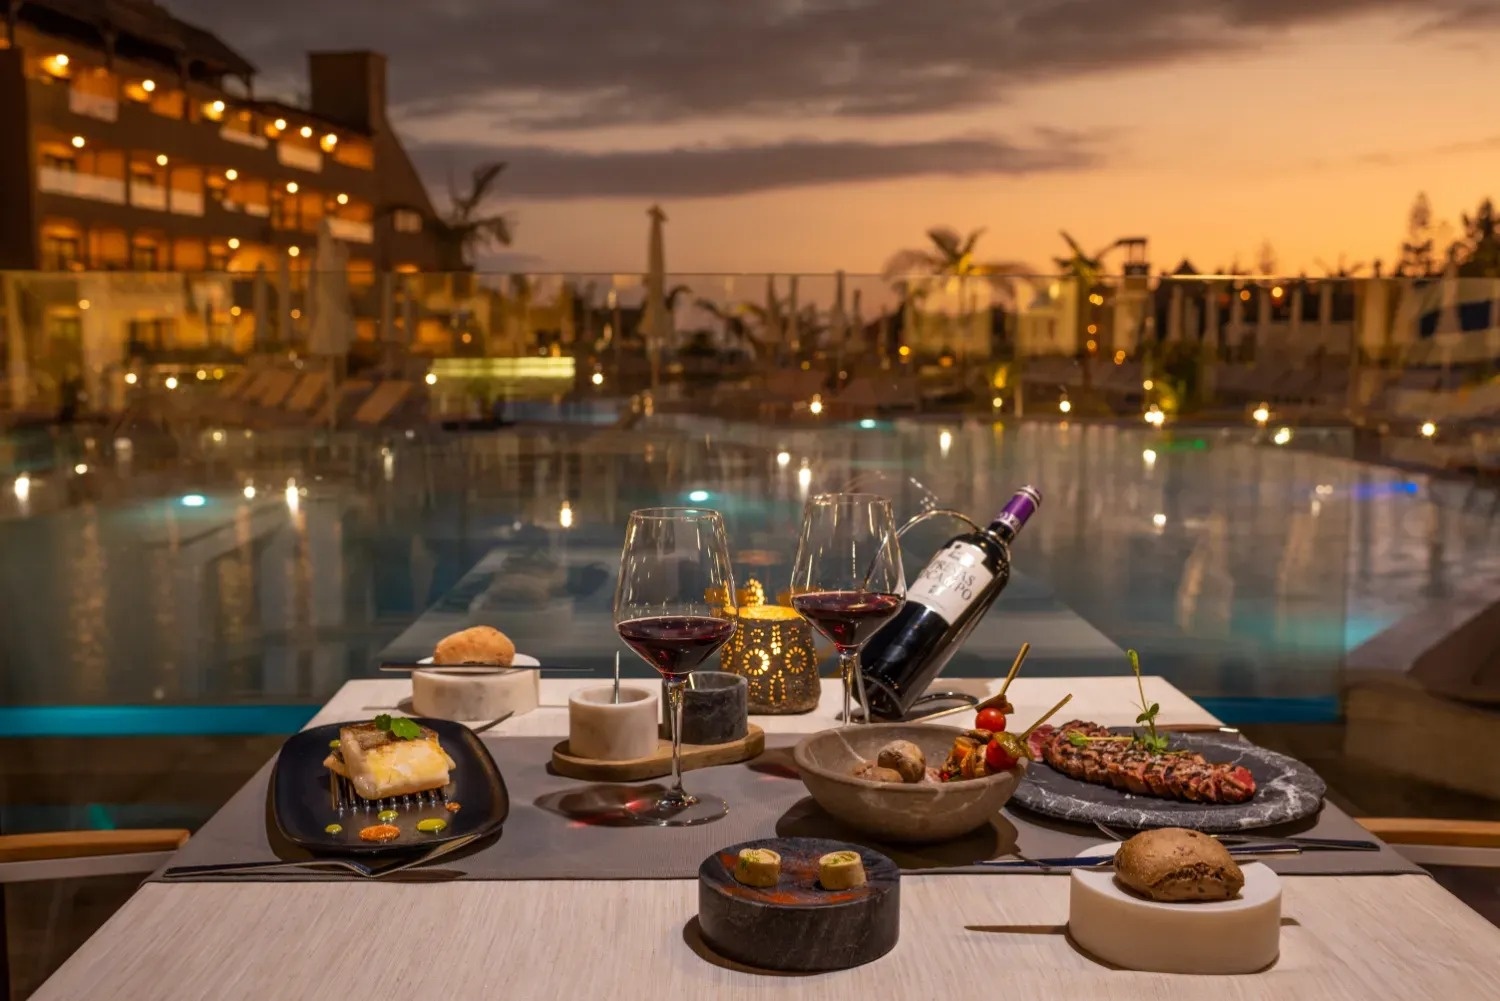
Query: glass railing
{"x": 223, "y": 495}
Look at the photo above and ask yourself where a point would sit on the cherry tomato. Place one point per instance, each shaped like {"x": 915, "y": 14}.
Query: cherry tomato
{"x": 997, "y": 758}
{"x": 990, "y": 719}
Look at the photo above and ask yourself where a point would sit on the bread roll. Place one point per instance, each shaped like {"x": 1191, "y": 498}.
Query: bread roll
{"x": 872, "y": 772}
{"x": 1177, "y": 865}
{"x": 904, "y": 757}
{"x": 476, "y": 645}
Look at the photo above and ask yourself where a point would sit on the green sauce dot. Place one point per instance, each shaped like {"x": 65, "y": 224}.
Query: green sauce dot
{"x": 333, "y": 829}
{"x": 334, "y": 742}
{"x": 386, "y": 815}
{"x": 432, "y": 825}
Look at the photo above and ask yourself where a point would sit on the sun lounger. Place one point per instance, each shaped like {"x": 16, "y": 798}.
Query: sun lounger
{"x": 382, "y": 403}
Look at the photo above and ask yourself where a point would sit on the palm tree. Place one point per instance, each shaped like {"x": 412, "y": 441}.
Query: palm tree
{"x": 1087, "y": 269}
{"x": 952, "y": 257}
{"x": 464, "y": 228}
{"x": 733, "y": 318}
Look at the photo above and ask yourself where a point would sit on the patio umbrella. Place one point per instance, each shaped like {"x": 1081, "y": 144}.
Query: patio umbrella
{"x": 857, "y": 323}
{"x": 837, "y": 319}
{"x": 332, "y": 327}
{"x": 283, "y": 326}
{"x": 656, "y": 324}
{"x": 260, "y": 310}
{"x": 772, "y": 334}
{"x": 793, "y": 335}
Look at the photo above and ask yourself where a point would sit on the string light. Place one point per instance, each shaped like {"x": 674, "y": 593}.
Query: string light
{"x": 148, "y": 86}
{"x": 79, "y": 142}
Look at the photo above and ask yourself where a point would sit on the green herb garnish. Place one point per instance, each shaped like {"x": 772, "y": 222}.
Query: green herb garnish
{"x": 1150, "y": 740}
{"x": 398, "y": 726}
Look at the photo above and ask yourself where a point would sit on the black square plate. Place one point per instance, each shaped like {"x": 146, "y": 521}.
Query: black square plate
{"x": 302, "y": 802}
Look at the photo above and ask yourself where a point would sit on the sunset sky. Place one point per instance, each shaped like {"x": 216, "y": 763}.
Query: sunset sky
{"x": 813, "y": 135}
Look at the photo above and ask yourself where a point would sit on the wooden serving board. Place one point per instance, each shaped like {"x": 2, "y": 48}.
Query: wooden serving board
{"x": 658, "y": 764}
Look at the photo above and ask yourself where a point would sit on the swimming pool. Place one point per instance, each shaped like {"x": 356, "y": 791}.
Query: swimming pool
{"x": 1240, "y": 569}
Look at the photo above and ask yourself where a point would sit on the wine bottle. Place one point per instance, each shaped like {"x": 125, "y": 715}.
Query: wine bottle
{"x": 943, "y": 605}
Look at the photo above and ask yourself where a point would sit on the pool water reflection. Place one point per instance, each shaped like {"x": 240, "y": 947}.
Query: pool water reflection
{"x": 1239, "y": 569}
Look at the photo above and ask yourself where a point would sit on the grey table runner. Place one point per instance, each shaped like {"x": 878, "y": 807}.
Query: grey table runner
{"x": 560, "y": 828}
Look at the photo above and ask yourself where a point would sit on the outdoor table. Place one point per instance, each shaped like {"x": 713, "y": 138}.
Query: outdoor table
{"x": 962, "y": 936}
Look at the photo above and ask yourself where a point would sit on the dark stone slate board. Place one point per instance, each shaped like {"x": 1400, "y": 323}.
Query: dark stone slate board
{"x": 1285, "y": 790}
{"x": 796, "y": 924}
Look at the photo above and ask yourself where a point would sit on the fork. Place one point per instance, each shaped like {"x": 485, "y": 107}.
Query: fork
{"x": 357, "y": 868}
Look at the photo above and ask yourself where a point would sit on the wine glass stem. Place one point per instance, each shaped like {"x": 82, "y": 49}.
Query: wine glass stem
{"x": 849, "y": 668}
{"x": 674, "y": 706}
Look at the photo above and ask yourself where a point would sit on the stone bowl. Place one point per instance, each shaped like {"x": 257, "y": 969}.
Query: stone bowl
{"x": 898, "y": 812}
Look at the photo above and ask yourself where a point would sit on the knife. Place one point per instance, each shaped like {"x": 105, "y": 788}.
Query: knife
{"x": 1100, "y": 861}
{"x": 399, "y": 668}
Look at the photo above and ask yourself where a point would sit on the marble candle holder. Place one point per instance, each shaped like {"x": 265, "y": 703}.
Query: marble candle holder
{"x": 714, "y": 708}
{"x": 603, "y": 730}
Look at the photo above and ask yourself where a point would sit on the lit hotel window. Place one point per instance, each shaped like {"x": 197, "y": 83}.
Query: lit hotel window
{"x": 407, "y": 221}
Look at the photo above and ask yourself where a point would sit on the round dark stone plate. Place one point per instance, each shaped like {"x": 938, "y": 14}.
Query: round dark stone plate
{"x": 797, "y": 925}
{"x": 1285, "y": 790}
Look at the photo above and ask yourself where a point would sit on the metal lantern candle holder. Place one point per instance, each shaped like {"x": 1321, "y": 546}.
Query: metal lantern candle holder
{"x": 772, "y": 649}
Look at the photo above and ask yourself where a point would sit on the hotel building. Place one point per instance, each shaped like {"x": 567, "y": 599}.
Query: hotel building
{"x": 131, "y": 141}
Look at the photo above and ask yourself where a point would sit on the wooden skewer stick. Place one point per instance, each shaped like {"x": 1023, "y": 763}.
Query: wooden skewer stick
{"x": 998, "y": 699}
{"x": 1050, "y": 713}
{"x": 1015, "y": 669}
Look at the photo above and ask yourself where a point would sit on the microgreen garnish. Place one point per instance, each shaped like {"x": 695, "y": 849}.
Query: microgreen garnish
{"x": 1150, "y": 740}
{"x": 398, "y": 726}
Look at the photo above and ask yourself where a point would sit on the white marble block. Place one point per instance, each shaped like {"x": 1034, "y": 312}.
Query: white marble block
{"x": 473, "y": 697}
{"x": 601, "y": 729}
{"x": 1219, "y": 937}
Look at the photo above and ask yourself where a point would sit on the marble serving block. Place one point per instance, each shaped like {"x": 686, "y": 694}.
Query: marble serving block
{"x": 601, "y": 729}
{"x": 798, "y": 925}
{"x": 715, "y": 708}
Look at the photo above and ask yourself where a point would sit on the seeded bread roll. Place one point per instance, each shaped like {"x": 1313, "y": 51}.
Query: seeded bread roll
{"x": 476, "y": 645}
{"x": 1178, "y": 865}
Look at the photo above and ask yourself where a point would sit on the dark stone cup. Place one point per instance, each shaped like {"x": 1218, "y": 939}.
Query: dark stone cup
{"x": 714, "y": 708}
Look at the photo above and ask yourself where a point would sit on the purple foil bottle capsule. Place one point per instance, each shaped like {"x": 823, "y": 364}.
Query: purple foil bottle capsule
{"x": 1013, "y": 516}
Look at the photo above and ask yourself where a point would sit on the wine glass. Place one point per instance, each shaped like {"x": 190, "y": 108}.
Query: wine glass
{"x": 674, "y": 607}
{"x": 847, "y": 578}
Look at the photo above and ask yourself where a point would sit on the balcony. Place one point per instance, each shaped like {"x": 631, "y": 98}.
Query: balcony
{"x": 106, "y": 109}
{"x": 236, "y": 135}
{"x": 148, "y": 196}
{"x": 187, "y": 203}
{"x": 90, "y": 186}
{"x": 351, "y": 230}
{"x": 295, "y": 156}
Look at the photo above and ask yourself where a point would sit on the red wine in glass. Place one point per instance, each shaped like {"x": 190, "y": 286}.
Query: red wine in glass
{"x": 848, "y": 618}
{"x": 675, "y": 644}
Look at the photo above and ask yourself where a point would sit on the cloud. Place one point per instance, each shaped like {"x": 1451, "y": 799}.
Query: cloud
{"x": 1463, "y": 18}
{"x": 541, "y": 172}
{"x": 546, "y": 65}
{"x": 1388, "y": 159}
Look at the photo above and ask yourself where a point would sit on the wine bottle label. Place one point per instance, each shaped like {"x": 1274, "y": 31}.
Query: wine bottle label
{"x": 952, "y": 581}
